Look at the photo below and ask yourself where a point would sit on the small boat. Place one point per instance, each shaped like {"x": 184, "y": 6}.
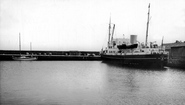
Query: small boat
{"x": 24, "y": 58}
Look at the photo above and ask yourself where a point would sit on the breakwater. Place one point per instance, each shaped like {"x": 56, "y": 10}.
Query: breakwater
{"x": 52, "y": 55}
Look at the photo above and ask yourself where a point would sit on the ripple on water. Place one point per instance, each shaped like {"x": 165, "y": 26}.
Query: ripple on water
{"x": 88, "y": 82}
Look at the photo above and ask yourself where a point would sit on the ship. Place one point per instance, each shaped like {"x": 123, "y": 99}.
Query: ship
{"x": 131, "y": 52}
{"x": 23, "y": 57}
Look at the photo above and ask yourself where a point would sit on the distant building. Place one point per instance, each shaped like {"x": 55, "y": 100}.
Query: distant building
{"x": 178, "y": 52}
{"x": 177, "y": 57}
{"x": 176, "y": 44}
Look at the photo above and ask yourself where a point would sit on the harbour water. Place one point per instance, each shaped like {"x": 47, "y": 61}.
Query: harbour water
{"x": 88, "y": 83}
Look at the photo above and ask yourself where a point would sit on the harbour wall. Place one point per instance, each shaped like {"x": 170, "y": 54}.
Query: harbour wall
{"x": 52, "y": 55}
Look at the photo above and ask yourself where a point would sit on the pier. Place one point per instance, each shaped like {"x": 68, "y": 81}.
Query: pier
{"x": 52, "y": 55}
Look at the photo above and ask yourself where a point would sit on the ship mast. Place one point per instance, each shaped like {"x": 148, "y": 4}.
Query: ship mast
{"x": 147, "y": 25}
{"x": 30, "y": 46}
{"x": 113, "y": 32}
{"x": 19, "y": 42}
{"x": 109, "y": 31}
{"x": 162, "y": 42}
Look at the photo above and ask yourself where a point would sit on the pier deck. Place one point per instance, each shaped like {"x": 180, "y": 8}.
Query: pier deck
{"x": 52, "y": 55}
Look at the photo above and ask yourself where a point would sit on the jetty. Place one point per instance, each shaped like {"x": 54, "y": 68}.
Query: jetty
{"x": 52, "y": 55}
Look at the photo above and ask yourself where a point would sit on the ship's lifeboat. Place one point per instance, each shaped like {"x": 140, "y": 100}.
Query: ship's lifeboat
{"x": 124, "y": 46}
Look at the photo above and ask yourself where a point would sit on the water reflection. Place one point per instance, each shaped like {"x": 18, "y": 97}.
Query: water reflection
{"x": 131, "y": 82}
{"x": 88, "y": 82}
{"x": 150, "y": 86}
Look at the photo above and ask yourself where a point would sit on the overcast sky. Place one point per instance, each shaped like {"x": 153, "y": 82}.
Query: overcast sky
{"x": 83, "y": 24}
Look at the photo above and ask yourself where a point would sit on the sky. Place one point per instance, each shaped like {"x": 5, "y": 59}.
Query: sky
{"x": 82, "y": 25}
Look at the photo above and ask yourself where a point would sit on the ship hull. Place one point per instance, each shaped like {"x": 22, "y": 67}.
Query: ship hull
{"x": 149, "y": 60}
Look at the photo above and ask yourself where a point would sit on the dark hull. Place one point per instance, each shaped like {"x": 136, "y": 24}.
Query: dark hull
{"x": 152, "y": 60}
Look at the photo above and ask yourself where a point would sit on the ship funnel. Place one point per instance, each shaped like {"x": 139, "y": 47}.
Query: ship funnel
{"x": 133, "y": 39}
